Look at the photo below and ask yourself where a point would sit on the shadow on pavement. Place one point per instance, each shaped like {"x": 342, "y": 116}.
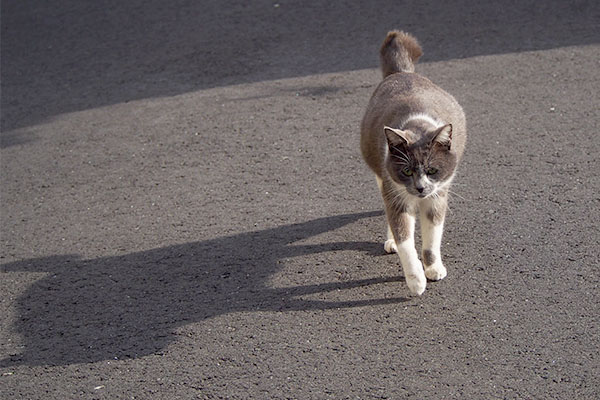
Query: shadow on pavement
{"x": 71, "y": 55}
{"x": 128, "y": 306}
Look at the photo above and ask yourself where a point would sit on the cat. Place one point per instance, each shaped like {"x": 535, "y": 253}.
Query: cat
{"x": 413, "y": 135}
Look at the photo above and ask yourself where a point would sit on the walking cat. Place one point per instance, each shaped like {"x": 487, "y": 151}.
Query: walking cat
{"x": 412, "y": 136}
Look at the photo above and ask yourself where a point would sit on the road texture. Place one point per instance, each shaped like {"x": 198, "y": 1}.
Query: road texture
{"x": 185, "y": 213}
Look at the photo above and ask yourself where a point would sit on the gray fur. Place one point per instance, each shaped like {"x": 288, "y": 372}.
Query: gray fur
{"x": 428, "y": 257}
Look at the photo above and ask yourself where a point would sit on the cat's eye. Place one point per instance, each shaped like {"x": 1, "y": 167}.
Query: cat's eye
{"x": 407, "y": 171}
{"x": 431, "y": 171}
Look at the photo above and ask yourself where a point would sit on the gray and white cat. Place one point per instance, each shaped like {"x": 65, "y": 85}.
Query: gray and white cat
{"x": 412, "y": 136}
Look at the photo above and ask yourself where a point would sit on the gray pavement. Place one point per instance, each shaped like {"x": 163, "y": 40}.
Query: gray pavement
{"x": 185, "y": 213}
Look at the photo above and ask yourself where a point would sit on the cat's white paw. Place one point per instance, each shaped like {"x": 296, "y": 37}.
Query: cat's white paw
{"x": 416, "y": 283}
{"x": 390, "y": 246}
{"x": 435, "y": 271}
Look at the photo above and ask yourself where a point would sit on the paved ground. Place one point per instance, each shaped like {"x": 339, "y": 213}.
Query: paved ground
{"x": 185, "y": 213}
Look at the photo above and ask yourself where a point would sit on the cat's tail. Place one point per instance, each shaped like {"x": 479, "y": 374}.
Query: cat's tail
{"x": 399, "y": 53}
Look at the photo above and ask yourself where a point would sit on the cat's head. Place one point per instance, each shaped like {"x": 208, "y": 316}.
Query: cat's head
{"x": 423, "y": 161}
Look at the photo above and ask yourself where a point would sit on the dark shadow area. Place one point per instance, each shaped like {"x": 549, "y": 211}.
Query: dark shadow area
{"x": 129, "y": 306}
{"x": 70, "y": 55}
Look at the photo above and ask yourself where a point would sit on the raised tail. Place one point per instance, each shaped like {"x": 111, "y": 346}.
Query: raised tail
{"x": 399, "y": 53}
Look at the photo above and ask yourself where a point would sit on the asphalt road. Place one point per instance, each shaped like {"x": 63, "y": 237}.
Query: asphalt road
{"x": 185, "y": 213}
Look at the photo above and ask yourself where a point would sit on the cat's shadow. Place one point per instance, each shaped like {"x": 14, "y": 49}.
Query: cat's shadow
{"x": 129, "y": 306}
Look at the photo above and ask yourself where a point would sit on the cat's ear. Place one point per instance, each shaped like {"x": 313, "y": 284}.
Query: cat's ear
{"x": 395, "y": 137}
{"x": 443, "y": 136}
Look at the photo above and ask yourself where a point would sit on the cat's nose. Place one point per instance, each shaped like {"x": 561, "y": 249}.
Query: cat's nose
{"x": 420, "y": 189}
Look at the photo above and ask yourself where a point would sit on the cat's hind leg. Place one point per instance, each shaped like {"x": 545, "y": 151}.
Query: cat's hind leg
{"x": 390, "y": 243}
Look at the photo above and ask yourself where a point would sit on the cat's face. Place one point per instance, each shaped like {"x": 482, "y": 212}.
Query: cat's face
{"x": 422, "y": 163}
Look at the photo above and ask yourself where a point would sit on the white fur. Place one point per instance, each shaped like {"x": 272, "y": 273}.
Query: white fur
{"x": 432, "y": 241}
{"x": 442, "y": 185}
{"x": 444, "y": 135}
{"x": 411, "y": 265}
{"x": 423, "y": 117}
{"x": 409, "y": 259}
{"x": 390, "y": 244}
{"x": 379, "y": 182}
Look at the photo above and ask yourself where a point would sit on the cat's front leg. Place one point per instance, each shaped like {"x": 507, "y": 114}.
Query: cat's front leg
{"x": 433, "y": 212}
{"x": 402, "y": 226}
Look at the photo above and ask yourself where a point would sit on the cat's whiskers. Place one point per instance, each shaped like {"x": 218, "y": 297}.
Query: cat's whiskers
{"x": 398, "y": 197}
{"x": 402, "y": 161}
{"x": 453, "y": 193}
{"x": 435, "y": 194}
{"x": 402, "y": 157}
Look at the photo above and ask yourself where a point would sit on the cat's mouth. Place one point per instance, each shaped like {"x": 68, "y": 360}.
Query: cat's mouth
{"x": 423, "y": 193}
